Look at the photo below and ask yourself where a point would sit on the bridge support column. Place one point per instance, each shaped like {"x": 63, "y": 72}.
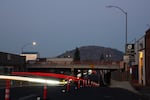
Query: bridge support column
{"x": 68, "y": 86}
{"x": 78, "y": 84}
{"x": 72, "y": 71}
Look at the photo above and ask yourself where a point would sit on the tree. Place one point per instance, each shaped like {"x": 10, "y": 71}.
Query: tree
{"x": 77, "y": 55}
{"x": 102, "y": 57}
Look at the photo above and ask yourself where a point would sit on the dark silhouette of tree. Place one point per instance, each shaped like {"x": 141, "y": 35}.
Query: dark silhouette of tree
{"x": 102, "y": 57}
{"x": 77, "y": 55}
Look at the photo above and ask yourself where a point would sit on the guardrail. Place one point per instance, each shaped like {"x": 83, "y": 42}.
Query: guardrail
{"x": 74, "y": 63}
{"x": 94, "y": 65}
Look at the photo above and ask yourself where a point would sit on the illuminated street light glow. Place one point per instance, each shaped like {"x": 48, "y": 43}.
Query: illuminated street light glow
{"x": 36, "y": 80}
{"x": 33, "y": 43}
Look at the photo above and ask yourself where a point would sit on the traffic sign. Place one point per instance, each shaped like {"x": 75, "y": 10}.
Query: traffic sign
{"x": 130, "y": 52}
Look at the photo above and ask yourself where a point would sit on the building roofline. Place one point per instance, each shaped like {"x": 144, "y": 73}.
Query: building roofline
{"x": 30, "y": 53}
{"x": 10, "y": 53}
{"x": 148, "y": 31}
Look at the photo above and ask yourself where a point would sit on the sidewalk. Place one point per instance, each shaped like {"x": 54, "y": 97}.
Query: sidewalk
{"x": 143, "y": 91}
{"x": 124, "y": 85}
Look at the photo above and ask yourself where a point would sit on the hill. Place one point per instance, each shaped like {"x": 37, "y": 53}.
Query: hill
{"x": 95, "y": 53}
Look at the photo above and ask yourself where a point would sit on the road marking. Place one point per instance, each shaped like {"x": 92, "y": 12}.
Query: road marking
{"x": 27, "y": 97}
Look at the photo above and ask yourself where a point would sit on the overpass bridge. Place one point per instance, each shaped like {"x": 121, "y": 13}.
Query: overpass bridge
{"x": 102, "y": 69}
{"x": 77, "y": 65}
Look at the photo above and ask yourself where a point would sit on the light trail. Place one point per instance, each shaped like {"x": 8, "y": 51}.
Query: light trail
{"x": 35, "y": 80}
{"x": 67, "y": 77}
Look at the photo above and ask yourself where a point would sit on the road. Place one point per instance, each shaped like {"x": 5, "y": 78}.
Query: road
{"x": 55, "y": 93}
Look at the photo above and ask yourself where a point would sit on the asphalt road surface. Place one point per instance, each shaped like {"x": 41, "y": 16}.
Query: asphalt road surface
{"x": 58, "y": 93}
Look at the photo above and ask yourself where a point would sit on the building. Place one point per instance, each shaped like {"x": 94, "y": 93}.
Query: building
{"x": 11, "y": 62}
{"x": 147, "y": 61}
{"x": 142, "y": 59}
{"x": 30, "y": 56}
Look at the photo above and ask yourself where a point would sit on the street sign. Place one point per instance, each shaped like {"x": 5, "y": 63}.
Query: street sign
{"x": 126, "y": 58}
{"x": 130, "y": 52}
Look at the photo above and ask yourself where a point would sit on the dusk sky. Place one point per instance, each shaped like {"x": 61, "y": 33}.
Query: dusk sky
{"x": 62, "y": 25}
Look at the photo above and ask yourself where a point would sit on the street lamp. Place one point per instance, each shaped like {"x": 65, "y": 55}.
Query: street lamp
{"x": 111, "y": 6}
{"x": 33, "y": 43}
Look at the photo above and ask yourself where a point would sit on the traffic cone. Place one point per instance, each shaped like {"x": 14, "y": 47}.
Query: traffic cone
{"x": 67, "y": 86}
{"x": 7, "y": 90}
{"x": 45, "y": 92}
{"x": 78, "y": 84}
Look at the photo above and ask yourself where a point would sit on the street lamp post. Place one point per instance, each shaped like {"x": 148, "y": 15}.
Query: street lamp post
{"x": 33, "y": 43}
{"x": 111, "y": 6}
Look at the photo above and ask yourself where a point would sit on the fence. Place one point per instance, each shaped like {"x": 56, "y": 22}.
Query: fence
{"x": 121, "y": 75}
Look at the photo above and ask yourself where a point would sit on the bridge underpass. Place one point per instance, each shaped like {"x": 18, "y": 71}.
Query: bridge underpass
{"x": 103, "y": 71}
